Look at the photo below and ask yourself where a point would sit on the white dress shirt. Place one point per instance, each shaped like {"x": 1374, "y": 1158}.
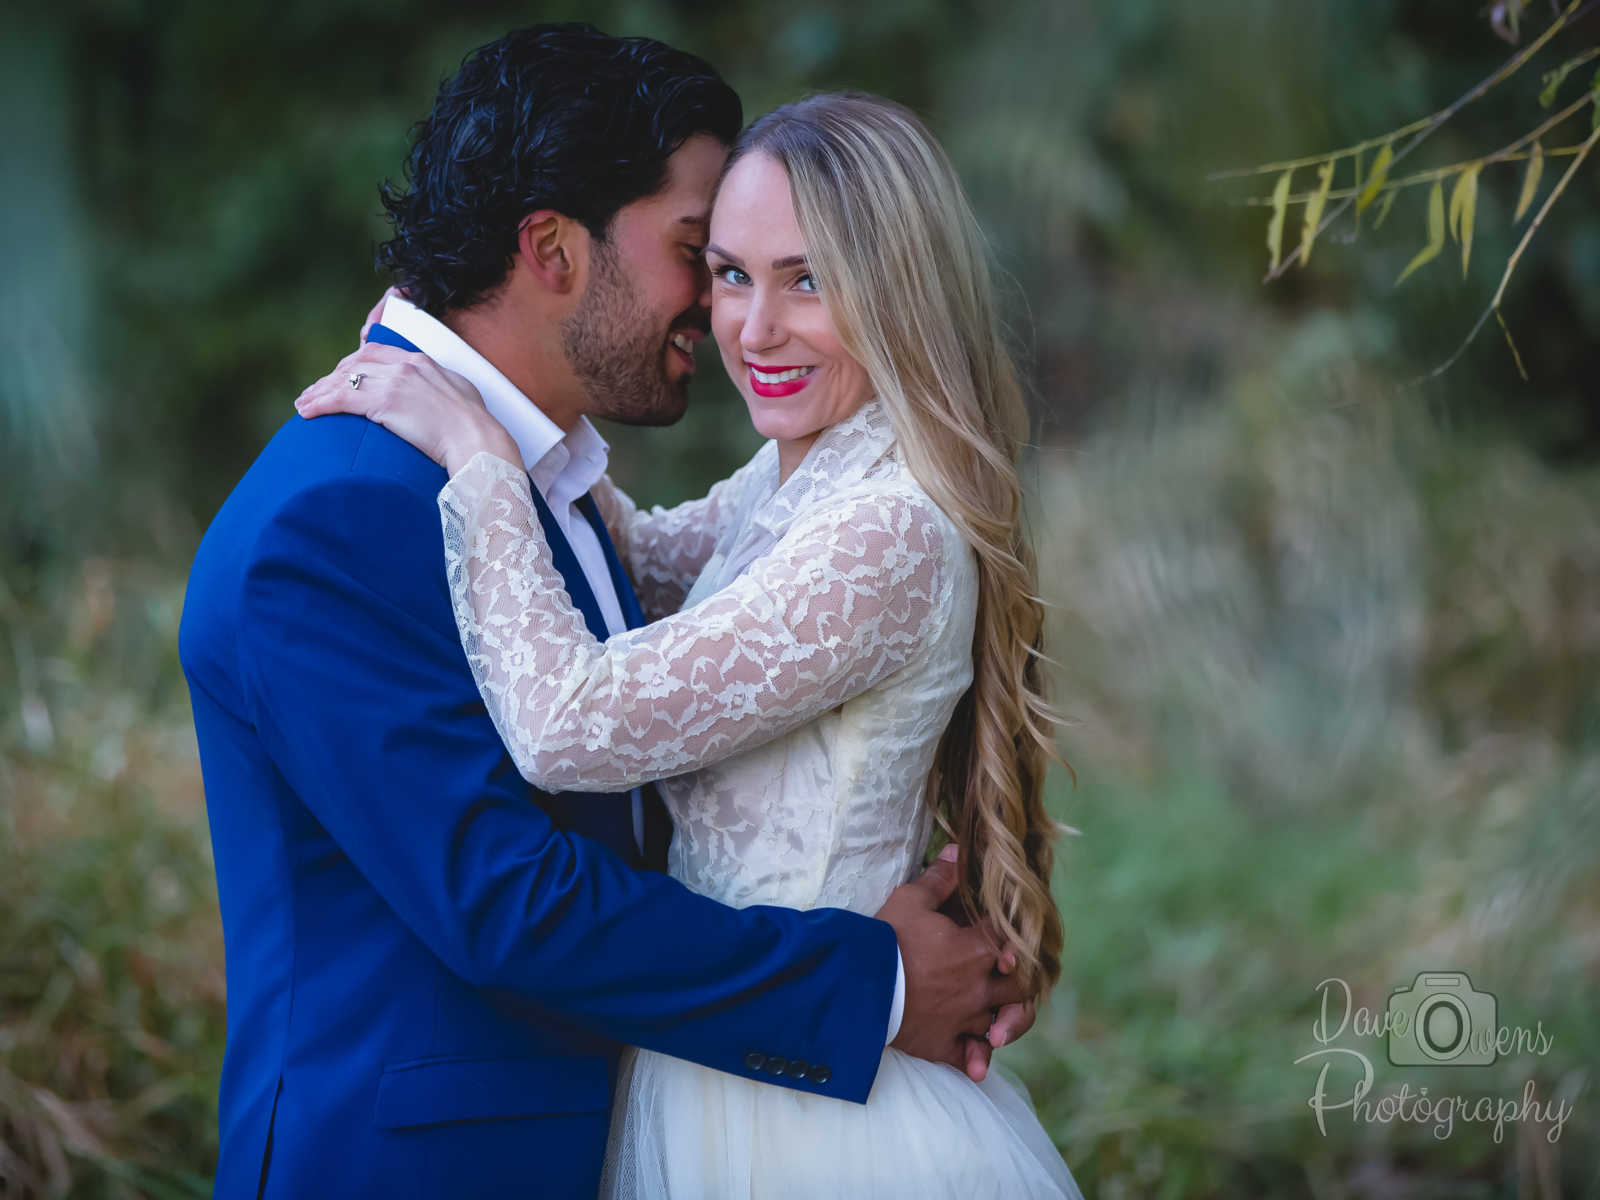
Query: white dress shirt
{"x": 563, "y": 466}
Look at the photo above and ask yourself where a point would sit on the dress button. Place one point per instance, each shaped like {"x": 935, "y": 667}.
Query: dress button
{"x": 777, "y": 1064}
{"x": 820, "y": 1074}
{"x": 755, "y": 1060}
{"x": 798, "y": 1068}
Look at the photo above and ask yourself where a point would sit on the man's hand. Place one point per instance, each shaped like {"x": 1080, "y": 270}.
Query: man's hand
{"x": 955, "y": 984}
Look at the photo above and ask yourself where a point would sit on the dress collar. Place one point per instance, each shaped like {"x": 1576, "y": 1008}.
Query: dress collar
{"x": 840, "y": 458}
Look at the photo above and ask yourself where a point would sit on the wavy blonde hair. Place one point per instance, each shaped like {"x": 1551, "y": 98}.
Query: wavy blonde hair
{"x": 896, "y": 249}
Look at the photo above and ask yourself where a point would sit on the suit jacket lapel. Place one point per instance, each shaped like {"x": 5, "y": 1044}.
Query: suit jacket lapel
{"x": 385, "y": 336}
{"x": 566, "y": 562}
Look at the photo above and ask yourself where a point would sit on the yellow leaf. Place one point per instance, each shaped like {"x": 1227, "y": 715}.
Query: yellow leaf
{"x": 1530, "y": 181}
{"x": 1359, "y": 190}
{"x": 1280, "y": 201}
{"x": 1467, "y": 189}
{"x": 1456, "y": 194}
{"x": 1435, "y": 232}
{"x": 1375, "y": 181}
{"x": 1383, "y": 209}
{"x": 1314, "y": 207}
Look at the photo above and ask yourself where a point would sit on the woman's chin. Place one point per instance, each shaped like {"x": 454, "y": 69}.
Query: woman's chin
{"x": 771, "y": 419}
{"x": 767, "y": 423}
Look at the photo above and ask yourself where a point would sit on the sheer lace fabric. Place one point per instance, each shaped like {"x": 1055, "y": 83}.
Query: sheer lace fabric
{"x": 790, "y": 709}
{"x": 804, "y": 684}
{"x": 665, "y": 549}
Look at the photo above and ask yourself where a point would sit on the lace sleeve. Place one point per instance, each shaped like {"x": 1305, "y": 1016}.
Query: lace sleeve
{"x": 847, "y": 597}
{"x": 664, "y": 549}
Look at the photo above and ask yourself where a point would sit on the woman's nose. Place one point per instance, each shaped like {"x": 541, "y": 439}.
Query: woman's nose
{"x": 760, "y": 329}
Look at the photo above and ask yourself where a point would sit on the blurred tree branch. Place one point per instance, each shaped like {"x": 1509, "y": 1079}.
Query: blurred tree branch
{"x": 1462, "y": 206}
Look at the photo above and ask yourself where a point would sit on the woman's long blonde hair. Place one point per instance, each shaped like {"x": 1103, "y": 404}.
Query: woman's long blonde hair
{"x": 896, "y": 249}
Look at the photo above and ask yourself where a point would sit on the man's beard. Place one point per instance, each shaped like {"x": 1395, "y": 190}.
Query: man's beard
{"x": 618, "y": 353}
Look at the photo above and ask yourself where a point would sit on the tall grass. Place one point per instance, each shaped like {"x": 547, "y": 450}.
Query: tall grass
{"x": 1337, "y": 675}
{"x": 111, "y": 981}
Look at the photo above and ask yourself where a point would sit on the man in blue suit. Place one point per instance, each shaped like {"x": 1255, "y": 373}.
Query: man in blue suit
{"x": 431, "y": 968}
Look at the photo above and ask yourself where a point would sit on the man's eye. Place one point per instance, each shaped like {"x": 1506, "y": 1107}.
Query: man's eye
{"x": 694, "y": 252}
{"x": 731, "y": 274}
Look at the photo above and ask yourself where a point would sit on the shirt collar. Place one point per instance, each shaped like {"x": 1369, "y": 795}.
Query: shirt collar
{"x": 563, "y": 466}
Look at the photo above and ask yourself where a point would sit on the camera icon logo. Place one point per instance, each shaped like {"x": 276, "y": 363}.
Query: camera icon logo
{"x": 1442, "y": 1021}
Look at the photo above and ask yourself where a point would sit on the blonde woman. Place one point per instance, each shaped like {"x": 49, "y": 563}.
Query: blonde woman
{"x": 852, "y": 650}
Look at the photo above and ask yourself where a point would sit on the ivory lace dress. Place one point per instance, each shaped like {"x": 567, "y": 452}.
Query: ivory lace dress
{"x": 820, "y": 635}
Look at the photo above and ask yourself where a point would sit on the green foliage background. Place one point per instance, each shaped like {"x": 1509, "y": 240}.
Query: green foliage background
{"x": 1331, "y": 648}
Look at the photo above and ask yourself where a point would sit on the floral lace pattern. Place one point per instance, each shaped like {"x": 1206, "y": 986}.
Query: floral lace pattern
{"x": 665, "y": 549}
{"x": 791, "y": 709}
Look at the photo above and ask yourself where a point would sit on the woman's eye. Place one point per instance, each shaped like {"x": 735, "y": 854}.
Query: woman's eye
{"x": 731, "y": 274}
{"x": 808, "y": 283}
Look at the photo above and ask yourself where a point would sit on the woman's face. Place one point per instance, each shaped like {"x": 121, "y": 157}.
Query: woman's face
{"x": 777, "y": 341}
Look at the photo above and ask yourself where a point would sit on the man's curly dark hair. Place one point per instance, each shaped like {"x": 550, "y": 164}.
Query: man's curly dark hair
{"x": 555, "y": 116}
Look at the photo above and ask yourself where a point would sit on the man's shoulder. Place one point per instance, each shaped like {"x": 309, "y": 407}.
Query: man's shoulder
{"x": 325, "y": 466}
{"x": 337, "y": 494}
{"x": 343, "y": 450}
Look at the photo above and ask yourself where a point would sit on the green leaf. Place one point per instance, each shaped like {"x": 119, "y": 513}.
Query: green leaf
{"x": 1435, "y": 232}
{"x": 1463, "y": 208}
{"x": 1375, "y": 181}
{"x": 1554, "y": 79}
{"x": 1530, "y": 181}
{"x": 1280, "y": 201}
{"x": 1383, "y": 209}
{"x": 1314, "y": 207}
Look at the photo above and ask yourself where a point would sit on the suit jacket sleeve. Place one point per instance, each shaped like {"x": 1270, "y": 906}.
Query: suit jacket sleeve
{"x": 352, "y": 667}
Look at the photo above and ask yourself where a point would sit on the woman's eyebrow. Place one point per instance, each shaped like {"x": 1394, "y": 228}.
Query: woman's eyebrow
{"x": 778, "y": 264}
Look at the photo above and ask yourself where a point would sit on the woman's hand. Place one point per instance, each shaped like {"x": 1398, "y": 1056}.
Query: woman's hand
{"x": 413, "y": 397}
{"x": 376, "y": 314}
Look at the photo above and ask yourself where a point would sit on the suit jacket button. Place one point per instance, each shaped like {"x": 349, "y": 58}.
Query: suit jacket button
{"x": 777, "y": 1064}
{"x": 820, "y": 1074}
{"x": 755, "y": 1060}
{"x": 798, "y": 1068}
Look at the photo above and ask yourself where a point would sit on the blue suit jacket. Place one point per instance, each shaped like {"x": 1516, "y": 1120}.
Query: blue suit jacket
{"x": 430, "y": 966}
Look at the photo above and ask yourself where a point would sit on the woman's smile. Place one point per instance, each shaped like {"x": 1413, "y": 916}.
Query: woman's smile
{"x": 778, "y": 381}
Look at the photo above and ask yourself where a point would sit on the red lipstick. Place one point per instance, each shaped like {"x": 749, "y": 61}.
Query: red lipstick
{"x": 786, "y": 387}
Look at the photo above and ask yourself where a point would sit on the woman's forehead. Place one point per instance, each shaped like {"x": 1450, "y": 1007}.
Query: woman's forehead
{"x": 754, "y": 207}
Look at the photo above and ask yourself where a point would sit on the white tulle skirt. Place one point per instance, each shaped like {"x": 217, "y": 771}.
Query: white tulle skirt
{"x": 681, "y": 1131}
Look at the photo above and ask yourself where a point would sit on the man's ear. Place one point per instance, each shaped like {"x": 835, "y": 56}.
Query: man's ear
{"x": 554, "y": 249}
